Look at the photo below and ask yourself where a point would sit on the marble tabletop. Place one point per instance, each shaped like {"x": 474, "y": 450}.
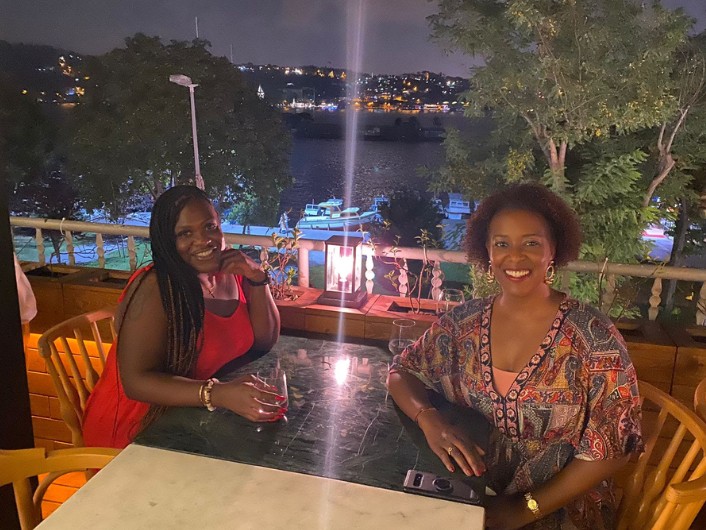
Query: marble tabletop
{"x": 341, "y": 422}
{"x": 148, "y": 488}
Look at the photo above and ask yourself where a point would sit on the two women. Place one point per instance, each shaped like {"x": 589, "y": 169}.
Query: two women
{"x": 549, "y": 373}
{"x": 199, "y": 306}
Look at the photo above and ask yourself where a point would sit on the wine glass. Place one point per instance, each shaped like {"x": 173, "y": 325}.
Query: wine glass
{"x": 401, "y": 335}
{"x": 448, "y": 299}
{"x": 276, "y": 378}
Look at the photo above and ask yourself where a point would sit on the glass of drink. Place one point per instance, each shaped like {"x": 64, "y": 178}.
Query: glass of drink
{"x": 276, "y": 379}
{"x": 401, "y": 335}
{"x": 448, "y": 299}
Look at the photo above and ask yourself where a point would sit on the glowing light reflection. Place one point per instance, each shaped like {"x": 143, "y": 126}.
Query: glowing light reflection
{"x": 341, "y": 370}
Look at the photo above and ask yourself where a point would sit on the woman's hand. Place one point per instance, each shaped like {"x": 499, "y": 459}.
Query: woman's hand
{"x": 250, "y": 398}
{"x": 507, "y": 512}
{"x": 236, "y": 262}
{"x": 264, "y": 316}
{"x": 451, "y": 445}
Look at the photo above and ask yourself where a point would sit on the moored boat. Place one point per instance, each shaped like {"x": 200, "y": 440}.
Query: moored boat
{"x": 328, "y": 215}
{"x": 314, "y": 209}
{"x": 457, "y": 207}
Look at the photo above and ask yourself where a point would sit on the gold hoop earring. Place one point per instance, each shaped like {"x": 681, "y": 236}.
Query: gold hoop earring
{"x": 550, "y": 274}
{"x": 489, "y": 275}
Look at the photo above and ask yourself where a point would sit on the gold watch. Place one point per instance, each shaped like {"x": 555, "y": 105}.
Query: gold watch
{"x": 532, "y": 505}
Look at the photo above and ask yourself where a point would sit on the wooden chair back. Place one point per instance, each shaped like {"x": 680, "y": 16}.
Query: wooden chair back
{"x": 667, "y": 487}
{"x": 65, "y": 350}
{"x": 18, "y": 466}
{"x": 700, "y": 400}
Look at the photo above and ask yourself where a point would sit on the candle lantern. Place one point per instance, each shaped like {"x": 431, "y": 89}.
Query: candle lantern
{"x": 344, "y": 272}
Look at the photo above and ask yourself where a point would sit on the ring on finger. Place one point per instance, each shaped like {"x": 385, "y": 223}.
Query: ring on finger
{"x": 450, "y": 450}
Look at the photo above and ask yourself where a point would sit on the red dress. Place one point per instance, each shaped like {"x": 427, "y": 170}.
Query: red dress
{"x": 111, "y": 419}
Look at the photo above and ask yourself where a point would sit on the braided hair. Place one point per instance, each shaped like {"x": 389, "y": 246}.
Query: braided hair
{"x": 179, "y": 287}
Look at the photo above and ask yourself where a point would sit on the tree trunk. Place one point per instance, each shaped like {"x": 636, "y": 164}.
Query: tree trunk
{"x": 55, "y": 236}
{"x": 556, "y": 156}
{"x": 666, "y": 164}
{"x": 676, "y": 256}
{"x": 158, "y": 186}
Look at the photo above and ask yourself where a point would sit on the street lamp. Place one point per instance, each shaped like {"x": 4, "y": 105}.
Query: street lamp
{"x": 183, "y": 80}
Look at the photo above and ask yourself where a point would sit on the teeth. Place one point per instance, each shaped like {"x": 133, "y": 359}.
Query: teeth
{"x": 204, "y": 253}
{"x": 518, "y": 273}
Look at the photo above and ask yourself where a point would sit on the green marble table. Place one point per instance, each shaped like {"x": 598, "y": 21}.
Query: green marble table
{"x": 341, "y": 422}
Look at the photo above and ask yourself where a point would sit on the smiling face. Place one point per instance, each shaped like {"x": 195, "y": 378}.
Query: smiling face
{"x": 520, "y": 247}
{"x": 198, "y": 236}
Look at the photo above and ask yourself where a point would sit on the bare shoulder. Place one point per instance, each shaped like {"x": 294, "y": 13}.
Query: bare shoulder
{"x": 142, "y": 299}
{"x": 142, "y": 333}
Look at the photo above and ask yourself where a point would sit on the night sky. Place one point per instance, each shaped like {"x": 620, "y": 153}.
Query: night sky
{"x": 284, "y": 32}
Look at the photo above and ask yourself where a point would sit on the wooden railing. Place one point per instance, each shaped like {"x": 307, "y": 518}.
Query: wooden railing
{"x": 607, "y": 271}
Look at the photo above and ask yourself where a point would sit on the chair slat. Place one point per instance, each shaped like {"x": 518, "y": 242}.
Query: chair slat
{"x": 18, "y": 466}
{"x": 75, "y": 372}
{"x": 91, "y": 377}
{"x": 670, "y": 495}
{"x": 71, "y": 367}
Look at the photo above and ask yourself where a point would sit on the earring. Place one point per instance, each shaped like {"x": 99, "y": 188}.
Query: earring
{"x": 550, "y": 274}
{"x": 489, "y": 275}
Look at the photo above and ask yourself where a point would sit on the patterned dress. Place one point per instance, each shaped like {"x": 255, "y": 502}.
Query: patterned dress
{"x": 576, "y": 398}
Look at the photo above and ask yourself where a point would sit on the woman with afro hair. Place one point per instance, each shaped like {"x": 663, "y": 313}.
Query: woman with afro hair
{"x": 550, "y": 375}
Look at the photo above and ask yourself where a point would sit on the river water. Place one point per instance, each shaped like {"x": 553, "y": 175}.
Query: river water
{"x": 380, "y": 167}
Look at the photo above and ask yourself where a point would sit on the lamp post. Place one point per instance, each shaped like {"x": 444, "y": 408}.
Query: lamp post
{"x": 183, "y": 80}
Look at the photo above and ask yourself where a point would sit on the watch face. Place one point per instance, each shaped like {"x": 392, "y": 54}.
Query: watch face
{"x": 532, "y": 505}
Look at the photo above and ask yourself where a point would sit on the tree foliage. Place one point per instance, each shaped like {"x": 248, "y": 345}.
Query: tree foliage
{"x": 602, "y": 100}
{"x": 133, "y": 130}
{"x": 29, "y": 161}
{"x": 608, "y": 200}
{"x": 27, "y": 137}
{"x": 408, "y": 214}
{"x": 568, "y": 70}
{"x": 581, "y": 92}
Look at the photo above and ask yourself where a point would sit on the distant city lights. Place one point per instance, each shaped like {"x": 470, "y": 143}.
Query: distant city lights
{"x": 297, "y": 88}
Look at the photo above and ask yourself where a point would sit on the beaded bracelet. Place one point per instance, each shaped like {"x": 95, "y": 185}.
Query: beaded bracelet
{"x": 205, "y": 393}
{"x": 420, "y": 411}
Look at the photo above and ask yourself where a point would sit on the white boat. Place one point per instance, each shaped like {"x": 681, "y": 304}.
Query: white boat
{"x": 314, "y": 209}
{"x": 328, "y": 215}
{"x": 457, "y": 207}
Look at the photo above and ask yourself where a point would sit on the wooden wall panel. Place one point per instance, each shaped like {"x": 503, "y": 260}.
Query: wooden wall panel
{"x": 51, "y": 429}
{"x": 40, "y": 383}
{"x": 39, "y": 405}
{"x": 652, "y": 351}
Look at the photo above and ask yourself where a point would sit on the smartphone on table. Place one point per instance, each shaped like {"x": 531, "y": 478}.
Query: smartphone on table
{"x": 424, "y": 483}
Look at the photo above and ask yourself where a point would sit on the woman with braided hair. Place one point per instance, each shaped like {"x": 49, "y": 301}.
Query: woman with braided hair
{"x": 196, "y": 308}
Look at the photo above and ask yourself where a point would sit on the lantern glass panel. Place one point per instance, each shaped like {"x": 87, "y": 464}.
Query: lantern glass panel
{"x": 358, "y": 284}
{"x": 340, "y": 275}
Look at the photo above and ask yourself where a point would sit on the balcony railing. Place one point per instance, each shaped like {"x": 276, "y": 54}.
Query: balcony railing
{"x": 608, "y": 272}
